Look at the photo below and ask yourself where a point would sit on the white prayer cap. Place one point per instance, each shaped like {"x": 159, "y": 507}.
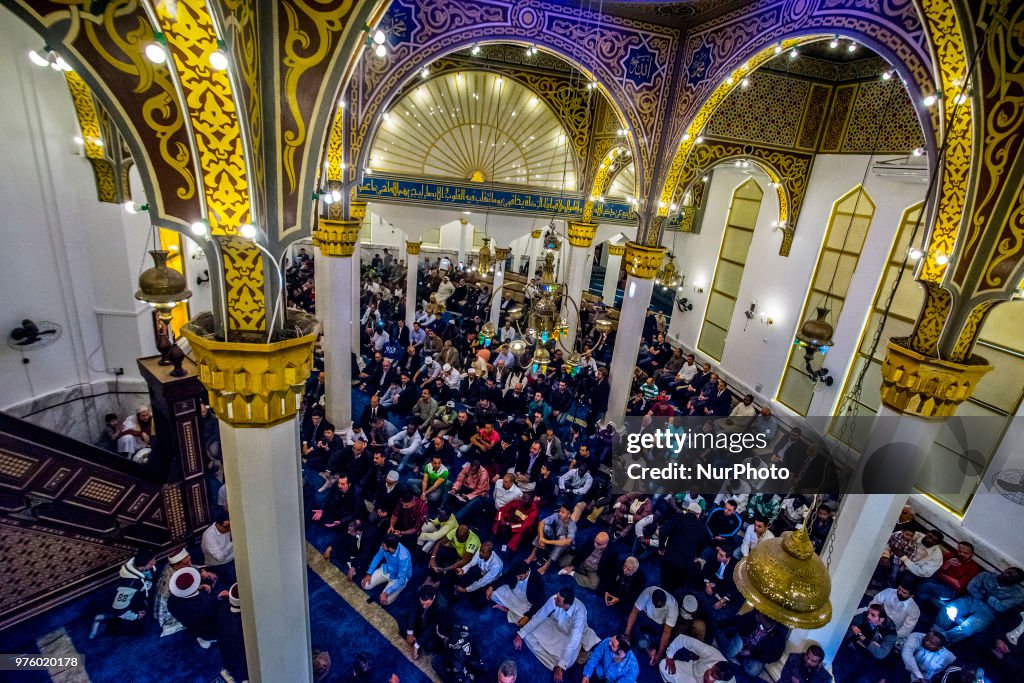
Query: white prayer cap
{"x": 233, "y": 596}
{"x": 689, "y": 604}
{"x": 446, "y": 367}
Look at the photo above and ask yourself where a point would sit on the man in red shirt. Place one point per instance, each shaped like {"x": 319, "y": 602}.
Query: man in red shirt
{"x": 485, "y": 440}
{"x": 661, "y": 407}
{"x": 952, "y": 578}
{"x": 513, "y": 520}
{"x": 407, "y": 519}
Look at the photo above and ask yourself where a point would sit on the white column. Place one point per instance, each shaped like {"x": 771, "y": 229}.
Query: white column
{"x": 355, "y": 288}
{"x": 262, "y": 473}
{"x": 338, "y": 312}
{"x": 886, "y": 473}
{"x": 575, "y": 285}
{"x": 412, "y": 266}
{"x": 627, "y": 344}
{"x": 500, "y": 257}
{"x": 464, "y": 227}
{"x": 338, "y": 317}
{"x": 611, "y": 274}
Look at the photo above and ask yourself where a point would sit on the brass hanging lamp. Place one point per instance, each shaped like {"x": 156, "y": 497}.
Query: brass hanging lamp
{"x": 163, "y": 288}
{"x": 784, "y": 579}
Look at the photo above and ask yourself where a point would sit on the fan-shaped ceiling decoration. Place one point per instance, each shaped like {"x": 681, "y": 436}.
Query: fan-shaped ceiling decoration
{"x": 475, "y": 126}
{"x": 623, "y": 185}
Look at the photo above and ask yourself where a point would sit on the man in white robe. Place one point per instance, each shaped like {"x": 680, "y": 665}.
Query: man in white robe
{"x": 558, "y": 632}
{"x": 708, "y": 666}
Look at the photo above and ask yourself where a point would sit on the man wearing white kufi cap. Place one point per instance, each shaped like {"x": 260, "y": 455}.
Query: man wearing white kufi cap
{"x": 193, "y": 604}
{"x": 230, "y": 641}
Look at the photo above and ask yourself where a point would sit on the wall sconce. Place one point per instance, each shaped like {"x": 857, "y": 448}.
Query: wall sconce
{"x": 750, "y": 311}
{"x": 767, "y": 319}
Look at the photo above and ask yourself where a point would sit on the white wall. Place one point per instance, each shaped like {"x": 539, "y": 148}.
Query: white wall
{"x": 756, "y": 357}
{"x": 67, "y": 258}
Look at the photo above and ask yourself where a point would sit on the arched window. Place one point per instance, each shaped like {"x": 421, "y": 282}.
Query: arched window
{"x": 732, "y": 258}
{"x": 844, "y": 239}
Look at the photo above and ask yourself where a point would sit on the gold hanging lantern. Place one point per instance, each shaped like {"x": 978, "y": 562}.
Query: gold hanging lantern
{"x": 815, "y": 334}
{"x": 668, "y": 274}
{"x": 485, "y": 256}
{"x": 784, "y": 579}
{"x": 161, "y": 287}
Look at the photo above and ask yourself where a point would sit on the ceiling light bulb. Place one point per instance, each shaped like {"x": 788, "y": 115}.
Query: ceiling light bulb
{"x": 130, "y": 207}
{"x": 386, "y": 116}
{"x": 834, "y": 43}
{"x": 930, "y": 100}
{"x": 793, "y": 53}
{"x": 475, "y": 50}
{"x": 219, "y": 60}
{"x": 700, "y": 139}
{"x": 729, "y": 80}
{"x": 379, "y": 37}
{"x": 342, "y": 104}
{"x": 705, "y": 178}
{"x": 248, "y": 231}
{"x": 424, "y": 72}
{"x": 327, "y": 198}
{"x": 380, "y": 51}
{"x": 336, "y": 195}
{"x": 79, "y": 140}
{"x": 778, "y": 49}
{"x": 60, "y": 65}
{"x": 941, "y": 259}
{"x": 918, "y": 151}
{"x": 852, "y": 47}
{"x": 914, "y": 254}
{"x": 887, "y": 76}
{"x": 199, "y": 228}
{"x": 156, "y": 53}
{"x": 38, "y": 58}
{"x": 745, "y": 83}
{"x": 960, "y": 98}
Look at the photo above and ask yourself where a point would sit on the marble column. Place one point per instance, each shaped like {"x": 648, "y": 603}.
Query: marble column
{"x": 335, "y": 242}
{"x": 642, "y": 263}
{"x": 500, "y": 257}
{"x": 357, "y": 212}
{"x": 918, "y": 394}
{"x": 535, "y": 238}
{"x": 581, "y": 241}
{"x": 611, "y": 273}
{"x": 256, "y": 390}
{"x": 412, "y": 267}
{"x": 464, "y": 227}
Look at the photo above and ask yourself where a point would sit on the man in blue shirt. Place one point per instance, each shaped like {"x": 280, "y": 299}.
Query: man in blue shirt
{"x": 612, "y": 662}
{"x": 391, "y": 564}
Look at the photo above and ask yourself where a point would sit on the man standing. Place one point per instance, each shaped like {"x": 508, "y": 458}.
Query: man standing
{"x": 558, "y": 633}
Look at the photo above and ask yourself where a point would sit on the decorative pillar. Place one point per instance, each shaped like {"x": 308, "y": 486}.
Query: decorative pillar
{"x": 412, "y": 267}
{"x": 918, "y": 394}
{"x": 256, "y": 390}
{"x": 534, "y": 252}
{"x": 581, "y": 240}
{"x": 500, "y": 257}
{"x": 463, "y": 229}
{"x": 357, "y": 212}
{"x": 611, "y": 273}
{"x": 642, "y": 263}
{"x": 335, "y": 242}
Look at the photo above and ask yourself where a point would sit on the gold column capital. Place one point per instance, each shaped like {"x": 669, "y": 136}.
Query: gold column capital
{"x": 254, "y": 384}
{"x": 643, "y": 261}
{"x": 357, "y": 210}
{"x": 535, "y": 234}
{"x": 336, "y": 238}
{"x": 616, "y": 249}
{"x": 501, "y": 253}
{"x": 581, "y": 234}
{"x": 930, "y": 388}
{"x": 412, "y": 248}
